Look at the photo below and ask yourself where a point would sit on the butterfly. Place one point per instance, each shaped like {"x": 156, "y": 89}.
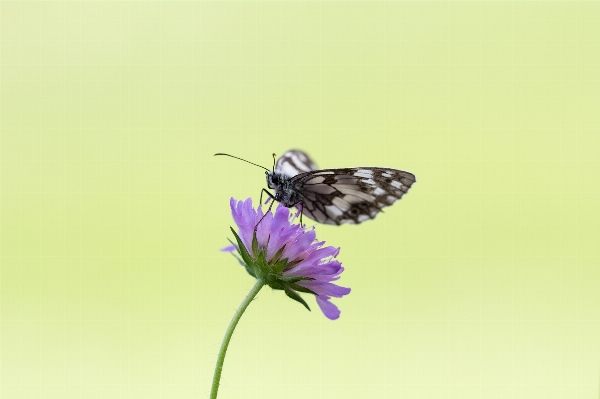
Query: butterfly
{"x": 334, "y": 196}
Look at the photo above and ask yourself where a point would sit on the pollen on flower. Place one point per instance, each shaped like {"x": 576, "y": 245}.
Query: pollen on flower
{"x": 287, "y": 256}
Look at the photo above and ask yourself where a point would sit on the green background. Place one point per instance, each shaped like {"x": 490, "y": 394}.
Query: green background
{"x": 483, "y": 282}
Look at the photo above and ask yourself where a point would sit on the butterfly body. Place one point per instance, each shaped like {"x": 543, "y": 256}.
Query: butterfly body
{"x": 287, "y": 192}
{"x": 335, "y": 196}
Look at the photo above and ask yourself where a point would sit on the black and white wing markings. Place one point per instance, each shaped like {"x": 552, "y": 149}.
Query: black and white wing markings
{"x": 335, "y": 196}
{"x": 350, "y": 195}
{"x": 294, "y": 162}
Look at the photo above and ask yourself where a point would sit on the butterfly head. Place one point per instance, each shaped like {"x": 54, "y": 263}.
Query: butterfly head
{"x": 273, "y": 180}
{"x": 278, "y": 182}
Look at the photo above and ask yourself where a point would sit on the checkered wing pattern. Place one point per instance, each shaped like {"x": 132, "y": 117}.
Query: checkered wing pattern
{"x": 294, "y": 162}
{"x": 349, "y": 195}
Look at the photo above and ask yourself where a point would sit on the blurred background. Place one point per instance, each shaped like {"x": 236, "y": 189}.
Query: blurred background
{"x": 482, "y": 282}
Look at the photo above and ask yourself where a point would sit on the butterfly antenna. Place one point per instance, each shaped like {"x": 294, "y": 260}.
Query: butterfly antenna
{"x": 251, "y": 163}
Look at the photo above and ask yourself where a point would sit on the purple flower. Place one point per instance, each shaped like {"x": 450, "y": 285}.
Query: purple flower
{"x": 287, "y": 256}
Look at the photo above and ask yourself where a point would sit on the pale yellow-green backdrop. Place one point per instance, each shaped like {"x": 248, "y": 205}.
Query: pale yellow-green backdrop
{"x": 483, "y": 282}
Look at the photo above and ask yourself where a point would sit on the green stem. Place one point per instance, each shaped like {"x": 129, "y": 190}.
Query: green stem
{"x": 236, "y": 317}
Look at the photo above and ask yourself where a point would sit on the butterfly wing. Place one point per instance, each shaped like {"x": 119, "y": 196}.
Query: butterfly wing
{"x": 294, "y": 162}
{"x": 350, "y": 195}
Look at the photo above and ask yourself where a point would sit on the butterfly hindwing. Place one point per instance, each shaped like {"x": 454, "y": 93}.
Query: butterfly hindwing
{"x": 350, "y": 195}
{"x": 294, "y": 162}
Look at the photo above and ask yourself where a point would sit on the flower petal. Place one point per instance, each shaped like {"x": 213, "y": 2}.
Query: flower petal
{"x": 324, "y": 288}
{"x": 229, "y": 248}
{"x": 263, "y": 230}
{"x": 329, "y": 309}
{"x": 246, "y": 218}
{"x": 332, "y": 268}
{"x": 299, "y": 244}
{"x": 312, "y": 263}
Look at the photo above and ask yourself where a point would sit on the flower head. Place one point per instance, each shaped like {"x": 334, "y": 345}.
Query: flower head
{"x": 286, "y": 256}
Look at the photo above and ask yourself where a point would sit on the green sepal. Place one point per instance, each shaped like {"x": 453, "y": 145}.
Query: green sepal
{"x": 277, "y": 282}
{"x": 276, "y": 285}
{"x": 294, "y": 263}
{"x": 254, "y": 244}
{"x": 261, "y": 258}
{"x": 294, "y": 295}
{"x": 250, "y": 263}
{"x": 284, "y": 264}
{"x": 241, "y": 248}
{"x": 302, "y": 289}
{"x": 279, "y": 266}
{"x": 262, "y": 264}
{"x": 292, "y": 279}
{"x": 278, "y": 254}
{"x": 241, "y": 262}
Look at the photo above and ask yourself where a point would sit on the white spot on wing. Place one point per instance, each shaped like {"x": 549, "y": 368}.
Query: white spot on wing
{"x": 316, "y": 180}
{"x": 396, "y": 184}
{"x": 359, "y": 194}
{"x": 379, "y": 191}
{"x": 340, "y": 203}
{"x": 327, "y": 172}
{"x": 346, "y": 186}
{"x": 363, "y": 217}
{"x": 333, "y": 211}
{"x": 351, "y": 199}
{"x": 368, "y": 181}
{"x": 391, "y": 199}
{"x": 345, "y": 179}
{"x": 386, "y": 175}
{"x": 363, "y": 173}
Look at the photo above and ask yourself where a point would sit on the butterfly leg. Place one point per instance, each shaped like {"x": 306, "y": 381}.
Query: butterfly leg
{"x": 264, "y": 190}
{"x": 300, "y": 210}
{"x": 268, "y": 211}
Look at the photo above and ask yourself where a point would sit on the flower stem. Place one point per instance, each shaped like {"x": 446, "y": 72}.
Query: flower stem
{"x": 236, "y": 317}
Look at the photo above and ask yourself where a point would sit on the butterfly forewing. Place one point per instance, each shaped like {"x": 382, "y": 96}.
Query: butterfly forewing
{"x": 350, "y": 195}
